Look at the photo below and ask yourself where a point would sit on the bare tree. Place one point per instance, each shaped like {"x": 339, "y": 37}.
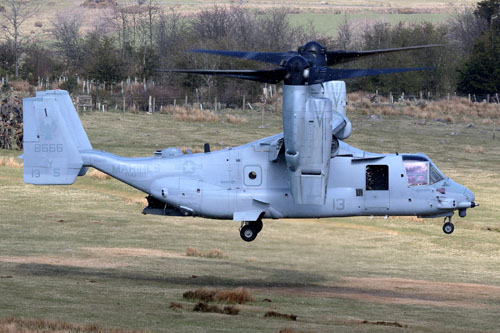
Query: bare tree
{"x": 464, "y": 28}
{"x": 345, "y": 34}
{"x": 15, "y": 13}
{"x": 211, "y": 23}
{"x": 68, "y": 38}
{"x": 170, "y": 37}
{"x": 152, "y": 13}
{"x": 277, "y": 34}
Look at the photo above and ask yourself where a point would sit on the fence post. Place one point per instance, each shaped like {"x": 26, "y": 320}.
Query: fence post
{"x": 244, "y": 98}
{"x": 123, "y": 104}
{"x": 391, "y": 97}
{"x": 150, "y": 108}
{"x": 469, "y": 99}
{"x": 215, "y": 103}
{"x": 186, "y": 101}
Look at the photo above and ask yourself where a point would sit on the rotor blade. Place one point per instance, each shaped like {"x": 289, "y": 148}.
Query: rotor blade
{"x": 276, "y": 58}
{"x": 337, "y": 74}
{"x": 340, "y": 57}
{"x": 267, "y": 76}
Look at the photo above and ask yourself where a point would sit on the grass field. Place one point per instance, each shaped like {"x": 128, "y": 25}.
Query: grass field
{"x": 325, "y": 16}
{"x": 84, "y": 254}
{"x": 329, "y": 23}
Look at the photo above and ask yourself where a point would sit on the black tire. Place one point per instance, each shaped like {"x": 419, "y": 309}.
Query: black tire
{"x": 257, "y": 225}
{"x": 448, "y": 228}
{"x": 248, "y": 233}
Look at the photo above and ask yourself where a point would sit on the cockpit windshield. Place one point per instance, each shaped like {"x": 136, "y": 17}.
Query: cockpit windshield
{"x": 421, "y": 171}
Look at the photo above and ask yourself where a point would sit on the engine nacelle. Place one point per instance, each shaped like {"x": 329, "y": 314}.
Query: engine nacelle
{"x": 307, "y": 127}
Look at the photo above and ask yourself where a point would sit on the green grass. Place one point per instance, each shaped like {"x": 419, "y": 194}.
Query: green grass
{"x": 106, "y": 263}
{"x": 329, "y": 23}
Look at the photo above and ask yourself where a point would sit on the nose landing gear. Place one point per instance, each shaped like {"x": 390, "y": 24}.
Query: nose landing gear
{"x": 250, "y": 230}
{"x": 448, "y": 227}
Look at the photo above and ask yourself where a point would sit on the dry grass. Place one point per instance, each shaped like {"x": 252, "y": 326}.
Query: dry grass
{"x": 238, "y": 295}
{"x": 96, "y": 174}
{"x": 236, "y": 120}
{"x": 385, "y": 323}
{"x": 274, "y": 314}
{"x": 195, "y": 115}
{"x": 194, "y": 150}
{"x": 137, "y": 201}
{"x": 408, "y": 218}
{"x": 10, "y": 162}
{"x": 175, "y": 305}
{"x": 450, "y": 111}
{"x": 474, "y": 150}
{"x": 21, "y": 85}
{"x": 13, "y": 324}
{"x": 287, "y": 330}
{"x": 229, "y": 310}
{"x": 214, "y": 253}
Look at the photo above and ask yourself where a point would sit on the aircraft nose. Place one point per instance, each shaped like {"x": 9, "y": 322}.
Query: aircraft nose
{"x": 469, "y": 195}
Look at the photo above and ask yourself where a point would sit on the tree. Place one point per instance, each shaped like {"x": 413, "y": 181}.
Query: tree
{"x": 464, "y": 28}
{"x": 7, "y": 58}
{"x": 488, "y": 9}
{"x": 441, "y": 59}
{"x": 103, "y": 62}
{"x": 481, "y": 72}
{"x": 68, "y": 39}
{"x": 16, "y": 12}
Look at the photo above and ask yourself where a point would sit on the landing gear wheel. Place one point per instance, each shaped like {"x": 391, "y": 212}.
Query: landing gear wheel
{"x": 248, "y": 232}
{"x": 448, "y": 228}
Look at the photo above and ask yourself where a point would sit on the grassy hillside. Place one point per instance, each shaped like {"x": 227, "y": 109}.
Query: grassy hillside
{"x": 324, "y": 16}
{"x": 84, "y": 254}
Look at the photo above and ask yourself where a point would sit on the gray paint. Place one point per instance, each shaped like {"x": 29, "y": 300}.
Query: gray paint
{"x": 249, "y": 182}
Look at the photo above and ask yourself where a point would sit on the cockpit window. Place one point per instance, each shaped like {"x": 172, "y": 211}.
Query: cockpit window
{"x": 421, "y": 173}
{"x": 417, "y": 172}
{"x": 435, "y": 175}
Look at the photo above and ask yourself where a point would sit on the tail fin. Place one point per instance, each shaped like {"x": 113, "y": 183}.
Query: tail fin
{"x": 53, "y": 137}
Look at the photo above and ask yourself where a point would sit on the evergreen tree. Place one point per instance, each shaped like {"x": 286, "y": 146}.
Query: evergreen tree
{"x": 481, "y": 72}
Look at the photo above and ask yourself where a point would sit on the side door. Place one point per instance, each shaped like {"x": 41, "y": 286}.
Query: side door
{"x": 377, "y": 194}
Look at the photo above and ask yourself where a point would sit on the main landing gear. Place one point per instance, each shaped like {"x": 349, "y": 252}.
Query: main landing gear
{"x": 448, "y": 227}
{"x": 250, "y": 230}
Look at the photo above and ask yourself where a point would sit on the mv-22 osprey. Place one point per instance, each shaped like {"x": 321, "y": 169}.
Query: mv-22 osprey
{"x": 305, "y": 172}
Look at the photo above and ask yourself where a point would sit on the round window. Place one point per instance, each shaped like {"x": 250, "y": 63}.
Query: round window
{"x": 252, "y": 175}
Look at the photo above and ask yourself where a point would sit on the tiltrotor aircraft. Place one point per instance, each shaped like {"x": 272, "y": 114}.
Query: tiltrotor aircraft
{"x": 307, "y": 171}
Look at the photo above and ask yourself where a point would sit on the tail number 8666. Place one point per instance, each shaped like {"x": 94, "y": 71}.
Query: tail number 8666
{"x": 48, "y": 148}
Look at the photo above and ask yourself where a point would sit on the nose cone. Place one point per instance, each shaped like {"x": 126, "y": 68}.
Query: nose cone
{"x": 469, "y": 195}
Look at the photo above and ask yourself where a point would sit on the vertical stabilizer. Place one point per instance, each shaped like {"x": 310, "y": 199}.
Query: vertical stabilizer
{"x": 53, "y": 137}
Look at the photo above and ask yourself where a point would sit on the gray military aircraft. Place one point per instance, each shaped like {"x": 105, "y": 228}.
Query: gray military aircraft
{"x": 307, "y": 171}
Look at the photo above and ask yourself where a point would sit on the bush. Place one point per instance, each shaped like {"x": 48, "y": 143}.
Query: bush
{"x": 70, "y": 85}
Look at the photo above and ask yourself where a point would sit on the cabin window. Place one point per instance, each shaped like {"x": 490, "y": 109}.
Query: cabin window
{"x": 253, "y": 175}
{"x": 377, "y": 178}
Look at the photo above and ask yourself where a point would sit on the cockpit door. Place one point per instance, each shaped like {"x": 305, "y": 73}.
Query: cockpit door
{"x": 377, "y": 195}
